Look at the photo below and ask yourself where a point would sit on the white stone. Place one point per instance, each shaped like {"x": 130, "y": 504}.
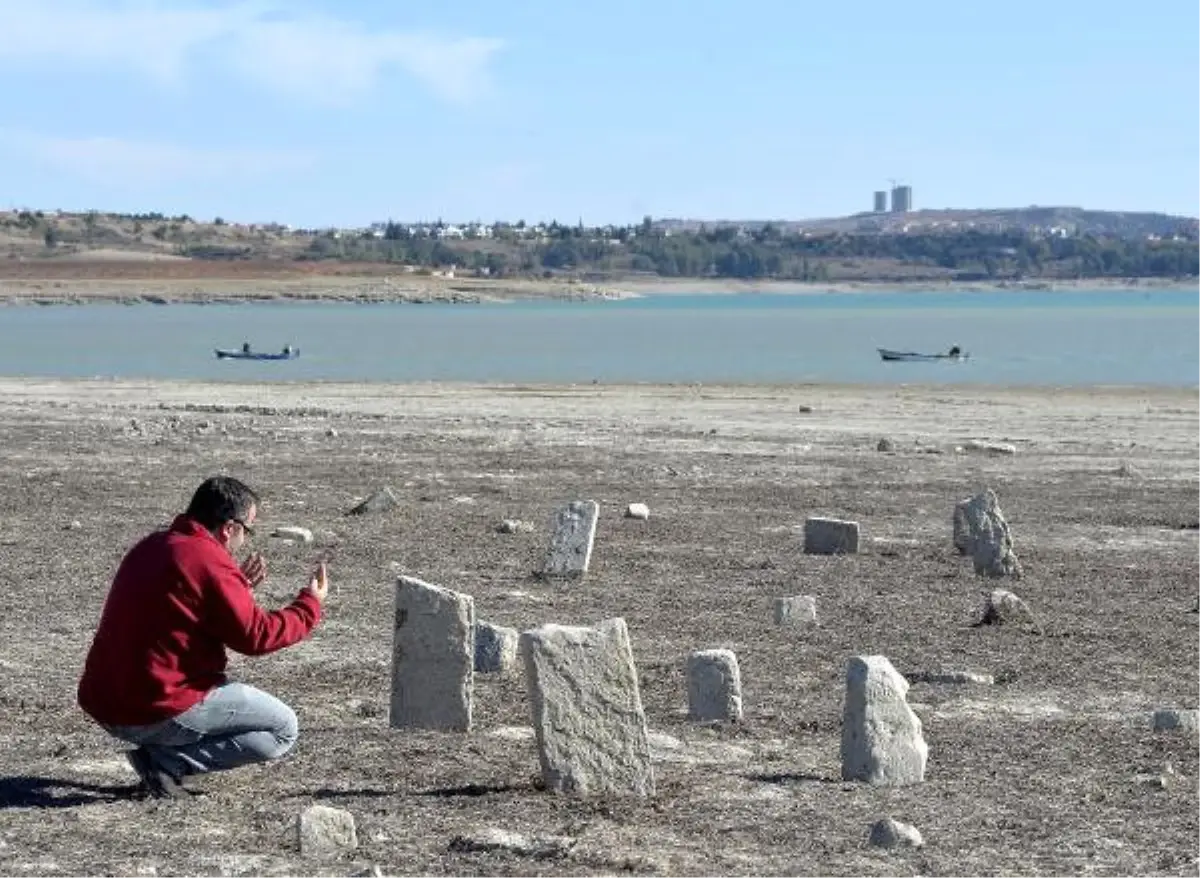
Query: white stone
{"x": 295, "y": 534}
{"x": 830, "y": 536}
{"x": 795, "y": 610}
{"x": 495, "y": 648}
{"x": 989, "y": 447}
{"x": 382, "y": 500}
{"x": 714, "y": 686}
{"x": 981, "y": 531}
{"x": 323, "y": 831}
{"x": 574, "y": 532}
{"x": 952, "y": 677}
{"x": 882, "y": 740}
{"x": 587, "y": 710}
{"x": 637, "y": 510}
{"x": 889, "y": 833}
{"x": 514, "y": 526}
{"x": 1168, "y": 719}
{"x": 1004, "y": 607}
{"x": 433, "y": 657}
{"x": 496, "y": 839}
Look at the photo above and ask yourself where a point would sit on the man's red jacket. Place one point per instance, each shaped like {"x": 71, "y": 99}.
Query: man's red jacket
{"x": 178, "y": 599}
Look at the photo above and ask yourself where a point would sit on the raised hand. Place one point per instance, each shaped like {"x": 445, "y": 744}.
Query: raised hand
{"x": 254, "y": 569}
{"x": 318, "y": 584}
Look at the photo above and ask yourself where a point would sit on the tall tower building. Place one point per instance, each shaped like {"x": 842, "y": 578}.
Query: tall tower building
{"x": 901, "y": 199}
{"x": 881, "y": 201}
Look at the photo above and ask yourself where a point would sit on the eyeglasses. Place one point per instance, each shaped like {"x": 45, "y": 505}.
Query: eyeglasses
{"x": 248, "y": 528}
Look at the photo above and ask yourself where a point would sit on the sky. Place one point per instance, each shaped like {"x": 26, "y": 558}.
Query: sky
{"x": 345, "y": 112}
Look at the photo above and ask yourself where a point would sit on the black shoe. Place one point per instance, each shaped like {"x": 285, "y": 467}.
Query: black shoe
{"x": 157, "y": 783}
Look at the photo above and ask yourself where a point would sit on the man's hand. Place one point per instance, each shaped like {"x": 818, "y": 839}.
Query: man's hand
{"x": 319, "y": 583}
{"x": 254, "y": 569}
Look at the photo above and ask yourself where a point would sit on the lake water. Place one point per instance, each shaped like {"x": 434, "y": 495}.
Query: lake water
{"x": 1136, "y": 337}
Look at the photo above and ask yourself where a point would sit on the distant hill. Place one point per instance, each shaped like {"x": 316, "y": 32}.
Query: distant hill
{"x": 1070, "y": 220}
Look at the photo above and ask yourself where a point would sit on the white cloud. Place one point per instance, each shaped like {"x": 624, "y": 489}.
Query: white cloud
{"x": 315, "y": 56}
{"x": 113, "y": 160}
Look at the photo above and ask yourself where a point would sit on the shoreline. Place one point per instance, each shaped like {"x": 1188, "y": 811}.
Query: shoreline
{"x": 410, "y": 289}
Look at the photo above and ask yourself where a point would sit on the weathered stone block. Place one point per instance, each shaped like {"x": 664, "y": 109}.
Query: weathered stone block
{"x": 714, "y": 686}
{"x": 433, "y": 657}
{"x": 587, "y": 710}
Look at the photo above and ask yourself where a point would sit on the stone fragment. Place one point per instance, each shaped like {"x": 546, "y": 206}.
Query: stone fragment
{"x": 574, "y": 532}
{"x": 382, "y": 500}
{"x": 830, "y": 536}
{"x": 587, "y": 710}
{"x": 889, "y": 833}
{"x": 637, "y": 510}
{"x": 882, "y": 741}
{"x": 796, "y": 610}
{"x": 495, "y": 648}
{"x": 322, "y": 831}
{"x": 714, "y": 686}
{"x": 433, "y": 657}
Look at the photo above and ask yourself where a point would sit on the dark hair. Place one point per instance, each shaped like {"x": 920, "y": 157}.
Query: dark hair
{"x": 221, "y": 499}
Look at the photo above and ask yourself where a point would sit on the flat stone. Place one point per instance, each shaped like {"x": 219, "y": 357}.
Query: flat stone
{"x": 495, "y": 648}
{"x": 1168, "y": 719}
{"x": 979, "y": 446}
{"x": 830, "y": 536}
{"x": 714, "y": 686}
{"x": 295, "y": 534}
{"x": 433, "y": 657}
{"x": 571, "y": 540}
{"x": 951, "y": 677}
{"x": 587, "y": 709}
{"x": 322, "y": 831}
{"x": 797, "y": 610}
{"x": 882, "y": 741}
{"x": 889, "y": 833}
{"x": 514, "y": 526}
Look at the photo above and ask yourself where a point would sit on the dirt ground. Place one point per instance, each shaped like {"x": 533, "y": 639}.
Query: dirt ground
{"x": 1055, "y": 769}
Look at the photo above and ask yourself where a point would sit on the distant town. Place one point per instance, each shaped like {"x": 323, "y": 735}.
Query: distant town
{"x": 890, "y": 242}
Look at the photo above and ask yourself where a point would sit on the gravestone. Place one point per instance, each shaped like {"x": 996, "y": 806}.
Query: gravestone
{"x": 882, "y": 741}
{"x": 495, "y": 648}
{"x": 587, "y": 710}
{"x": 433, "y": 657}
{"x": 830, "y": 536}
{"x": 795, "y": 610}
{"x": 714, "y": 686}
{"x": 574, "y": 532}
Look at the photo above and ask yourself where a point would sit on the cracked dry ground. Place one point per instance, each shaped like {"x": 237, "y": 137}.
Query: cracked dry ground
{"x": 1044, "y": 772}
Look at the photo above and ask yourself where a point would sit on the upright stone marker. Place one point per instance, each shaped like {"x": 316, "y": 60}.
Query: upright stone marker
{"x": 881, "y": 736}
{"x": 495, "y": 648}
{"x": 572, "y": 538}
{"x": 795, "y": 610}
{"x": 714, "y": 686}
{"x": 587, "y": 710}
{"x": 981, "y": 531}
{"x": 433, "y": 657}
{"x": 830, "y": 536}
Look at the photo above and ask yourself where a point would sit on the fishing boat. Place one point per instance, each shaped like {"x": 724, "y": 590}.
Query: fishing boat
{"x": 955, "y": 353}
{"x": 245, "y": 353}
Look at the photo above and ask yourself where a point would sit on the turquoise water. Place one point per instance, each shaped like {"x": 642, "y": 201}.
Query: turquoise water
{"x": 1014, "y": 338}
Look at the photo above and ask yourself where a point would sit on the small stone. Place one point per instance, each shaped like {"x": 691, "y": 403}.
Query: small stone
{"x": 885, "y": 444}
{"x": 495, "y": 648}
{"x": 514, "y": 526}
{"x": 1168, "y": 719}
{"x": 989, "y": 447}
{"x": 952, "y": 677}
{"x": 639, "y": 511}
{"x": 323, "y": 831}
{"x": 295, "y": 534}
{"x": 889, "y": 833}
{"x": 795, "y": 610}
{"x": 382, "y": 500}
{"x": 1004, "y": 607}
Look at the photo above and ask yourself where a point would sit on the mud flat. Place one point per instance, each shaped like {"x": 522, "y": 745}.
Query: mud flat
{"x": 1055, "y": 768}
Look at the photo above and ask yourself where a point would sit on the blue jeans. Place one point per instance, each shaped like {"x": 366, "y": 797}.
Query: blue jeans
{"x": 234, "y": 725}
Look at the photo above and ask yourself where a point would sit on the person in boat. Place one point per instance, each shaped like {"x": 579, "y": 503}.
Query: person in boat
{"x": 245, "y": 347}
{"x": 955, "y": 351}
{"x": 155, "y": 677}
{"x": 287, "y": 350}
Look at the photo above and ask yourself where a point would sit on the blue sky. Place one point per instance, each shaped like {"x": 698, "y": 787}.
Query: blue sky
{"x": 320, "y": 113}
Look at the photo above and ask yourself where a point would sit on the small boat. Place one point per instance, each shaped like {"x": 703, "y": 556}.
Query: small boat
{"x": 955, "y": 353}
{"x": 244, "y": 353}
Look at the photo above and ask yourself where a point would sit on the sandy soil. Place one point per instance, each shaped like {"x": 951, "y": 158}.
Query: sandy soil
{"x": 103, "y": 276}
{"x": 1053, "y": 770}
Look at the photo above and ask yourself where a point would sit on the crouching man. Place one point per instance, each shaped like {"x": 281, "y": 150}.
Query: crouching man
{"x": 155, "y": 673}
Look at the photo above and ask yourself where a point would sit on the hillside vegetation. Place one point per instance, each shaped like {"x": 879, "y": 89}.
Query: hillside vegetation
{"x": 1049, "y": 243}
